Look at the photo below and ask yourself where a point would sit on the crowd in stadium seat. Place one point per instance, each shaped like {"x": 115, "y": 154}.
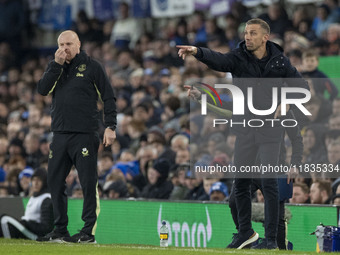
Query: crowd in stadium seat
{"x": 151, "y": 155}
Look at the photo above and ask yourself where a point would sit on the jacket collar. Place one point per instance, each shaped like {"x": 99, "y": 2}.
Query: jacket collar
{"x": 78, "y": 58}
{"x": 274, "y": 51}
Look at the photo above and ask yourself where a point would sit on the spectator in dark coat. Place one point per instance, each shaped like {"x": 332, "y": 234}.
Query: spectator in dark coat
{"x": 313, "y": 144}
{"x": 321, "y": 82}
{"x": 277, "y": 19}
{"x": 158, "y": 187}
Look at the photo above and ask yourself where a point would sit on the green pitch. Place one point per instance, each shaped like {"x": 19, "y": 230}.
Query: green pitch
{"x": 25, "y": 247}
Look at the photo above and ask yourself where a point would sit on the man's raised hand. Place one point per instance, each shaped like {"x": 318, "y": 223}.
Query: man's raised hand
{"x": 192, "y": 92}
{"x": 185, "y": 50}
{"x": 60, "y": 56}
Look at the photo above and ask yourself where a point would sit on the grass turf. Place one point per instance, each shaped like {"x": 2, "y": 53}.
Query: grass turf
{"x": 27, "y": 247}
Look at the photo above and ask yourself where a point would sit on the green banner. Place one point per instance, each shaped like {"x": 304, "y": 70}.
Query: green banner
{"x": 190, "y": 224}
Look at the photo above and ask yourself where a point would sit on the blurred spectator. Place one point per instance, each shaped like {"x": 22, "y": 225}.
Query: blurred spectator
{"x": 197, "y": 24}
{"x": 259, "y": 198}
{"x": 334, "y": 122}
{"x": 319, "y": 107}
{"x": 126, "y": 30}
{"x": 333, "y": 153}
{"x": 16, "y": 148}
{"x": 158, "y": 187}
{"x": 38, "y": 218}
{"x": 333, "y": 38}
{"x": 314, "y": 148}
{"x": 218, "y": 192}
{"x": 3, "y": 190}
{"x": 105, "y": 163}
{"x": 117, "y": 189}
{"x": 295, "y": 58}
{"x": 321, "y": 83}
{"x": 181, "y": 34}
{"x": 207, "y": 184}
{"x": 322, "y": 21}
{"x": 180, "y": 190}
{"x": 77, "y": 191}
{"x": 25, "y": 180}
{"x": 32, "y": 148}
{"x": 179, "y": 142}
{"x": 300, "y": 194}
{"x": 144, "y": 155}
{"x": 182, "y": 156}
{"x": 155, "y": 137}
{"x": 334, "y": 8}
{"x": 12, "y": 23}
{"x": 320, "y": 192}
{"x": 331, "y": 136}
{"x": 277, "y": 19}
{"x": 71, "y": 181}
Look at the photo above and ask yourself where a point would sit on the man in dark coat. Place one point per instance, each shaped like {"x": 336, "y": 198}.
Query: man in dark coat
{"x": 255, "y": 58}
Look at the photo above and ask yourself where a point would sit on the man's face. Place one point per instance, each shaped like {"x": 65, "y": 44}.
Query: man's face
{"x": 334, "y": 123}
{"x": 299, "y": 197}
{"x": 217, "y": 196}
{"x": 207, "y": 183}
{"x": 255, "y": 37}
{"x": 333, "y": 153}
{"x": 309, "y": 139}
{"x": 315, "y": 194}
{"x": 36, "y": 184}
{"x": 182, "y": 156}
{"x": 70, "y": 43}
{"x": 153, "y": 176}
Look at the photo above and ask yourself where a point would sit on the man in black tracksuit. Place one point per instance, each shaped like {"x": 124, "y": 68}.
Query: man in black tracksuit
{"x": 76, "y": 82}
{"x": 255, "y": 58}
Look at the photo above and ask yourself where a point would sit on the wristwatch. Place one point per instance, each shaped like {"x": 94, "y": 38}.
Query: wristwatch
{"x": 113, "y": 128}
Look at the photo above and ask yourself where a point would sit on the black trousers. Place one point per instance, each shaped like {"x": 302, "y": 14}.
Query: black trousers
{"x": 80, "y": 150}
{"x": 247, "y": 148}
{"x": 281, "y": 231}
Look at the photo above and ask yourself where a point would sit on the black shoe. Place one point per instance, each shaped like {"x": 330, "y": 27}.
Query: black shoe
{"x": 242, "y": 240}
{"x": 80, "y": 238}
{"x": 234, "y": 238}
{"x": 54, "y": 237}
{"x": 266, "y": 244}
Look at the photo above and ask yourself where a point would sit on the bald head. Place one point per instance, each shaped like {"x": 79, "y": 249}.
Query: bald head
{"x": 68, "y": 41}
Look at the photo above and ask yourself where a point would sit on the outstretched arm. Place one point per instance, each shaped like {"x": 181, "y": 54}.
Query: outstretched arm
{"x": 213, "y": 59}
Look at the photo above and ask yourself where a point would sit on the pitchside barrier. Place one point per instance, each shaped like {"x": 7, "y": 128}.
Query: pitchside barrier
{"x": 194, "y": 224}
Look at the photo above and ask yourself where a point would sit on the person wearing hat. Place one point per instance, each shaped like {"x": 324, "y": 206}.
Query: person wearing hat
{"x": 24, "y": 181}
{"x": 117, "y": 189}
{"x": 158, "y": 186}
{"x": 218, "y": 192}
{"x": 38, "y": 218}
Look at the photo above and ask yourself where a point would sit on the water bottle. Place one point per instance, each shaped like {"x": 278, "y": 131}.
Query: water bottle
{"x": 163, "y": 235}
